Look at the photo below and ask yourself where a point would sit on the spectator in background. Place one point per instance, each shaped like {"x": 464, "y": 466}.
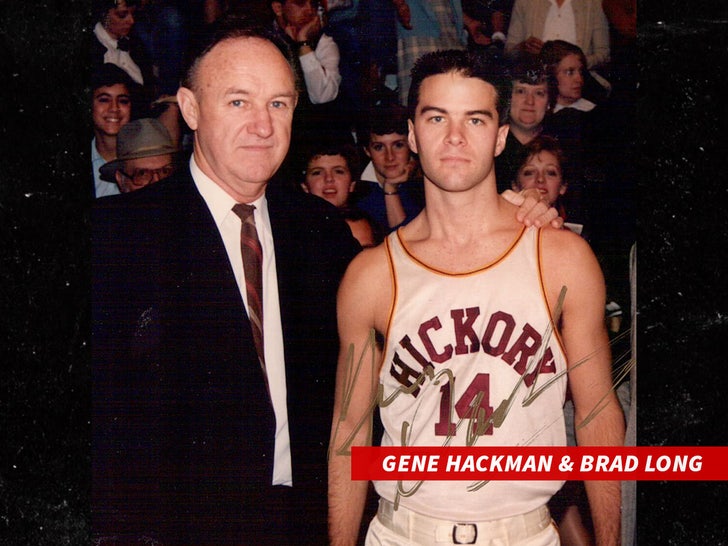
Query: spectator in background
{"x": 544, "y": 166}
{"x": 528, "y": 106}
{"x": 317, "y": 58}
{"x": 566, "y": 65}
{"x": 145, "y": 154}
{"x": 580, "y": 22}
{"x": 317, "y": 53}
{"x": 424, "y": 26}
{"x": 390, "y": 188}
{"x": 111, "y": 108}
{"x": 328, "y": 175}
{"x": 542, "y": 169}
{"x": 580, "y": 126}
{"x": 116, "y": 43}
{"x": 573, "y": 119}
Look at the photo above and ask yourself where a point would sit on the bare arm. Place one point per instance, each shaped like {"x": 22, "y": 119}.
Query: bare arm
{"x": 392, "y": 201}
{"x": 568, "y": 261}
{"x": 393, "y": 205}
{"x": 360, "y": 296}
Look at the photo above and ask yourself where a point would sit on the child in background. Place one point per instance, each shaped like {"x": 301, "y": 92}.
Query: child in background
{"x": 328, "y": 175}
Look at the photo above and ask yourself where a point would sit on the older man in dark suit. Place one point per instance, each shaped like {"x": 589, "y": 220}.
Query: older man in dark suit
{"x": 203, "y": 433}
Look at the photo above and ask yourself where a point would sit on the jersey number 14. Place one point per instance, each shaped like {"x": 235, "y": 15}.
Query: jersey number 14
{"x": 473, "y": 406}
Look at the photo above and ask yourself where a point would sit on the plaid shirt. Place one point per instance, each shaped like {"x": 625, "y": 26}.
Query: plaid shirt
{"x": 412, "y": 45}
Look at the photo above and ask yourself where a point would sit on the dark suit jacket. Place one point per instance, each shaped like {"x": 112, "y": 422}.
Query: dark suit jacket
{"x": 183, "y": 426}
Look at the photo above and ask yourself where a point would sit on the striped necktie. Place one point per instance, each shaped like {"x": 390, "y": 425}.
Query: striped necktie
{"x": 253, "y": 267}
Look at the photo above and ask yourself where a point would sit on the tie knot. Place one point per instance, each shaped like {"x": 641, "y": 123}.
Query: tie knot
{"x": 243, "y": 210}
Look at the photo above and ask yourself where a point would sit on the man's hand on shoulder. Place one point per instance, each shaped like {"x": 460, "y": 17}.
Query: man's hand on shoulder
{"x": 532, "y": 210}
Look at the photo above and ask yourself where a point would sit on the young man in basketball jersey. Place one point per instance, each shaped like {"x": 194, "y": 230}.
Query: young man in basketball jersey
{"x": 466, "y": 301}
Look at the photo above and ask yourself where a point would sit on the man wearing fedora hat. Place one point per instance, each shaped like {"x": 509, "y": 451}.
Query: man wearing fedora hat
{"x": 145, "y": 154}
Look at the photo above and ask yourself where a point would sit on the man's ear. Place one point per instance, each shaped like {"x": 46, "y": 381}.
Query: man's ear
{"x": 366, "y": 151}
{"x": 411, "y": 136}
{"x": 500, "y": 142}
{"x": 188, "y": 106}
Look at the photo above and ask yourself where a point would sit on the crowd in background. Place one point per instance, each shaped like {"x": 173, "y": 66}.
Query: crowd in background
{"x": 575, "y": 71}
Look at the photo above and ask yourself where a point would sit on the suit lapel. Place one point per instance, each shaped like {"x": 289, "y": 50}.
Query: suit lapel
{"x": 200, "y": 273}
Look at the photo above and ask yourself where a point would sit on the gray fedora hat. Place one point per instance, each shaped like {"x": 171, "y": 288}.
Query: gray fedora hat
{"x": 143, "y": 137}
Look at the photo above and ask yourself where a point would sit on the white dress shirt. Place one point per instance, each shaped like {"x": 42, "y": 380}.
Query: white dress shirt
{"x": 321, "y": 71}
{"x": 116, "y": 56}
{"x": 560, "y": 23}
{"x": 102, "y": 188}
{"x": 369, "y": 174}
{"x": 228, "y": 223}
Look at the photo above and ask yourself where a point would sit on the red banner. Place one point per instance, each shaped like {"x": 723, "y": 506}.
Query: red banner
{"x": 540, "y": 463}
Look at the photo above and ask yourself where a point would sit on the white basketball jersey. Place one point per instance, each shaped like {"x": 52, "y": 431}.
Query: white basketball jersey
{"x": 480, "y": 338}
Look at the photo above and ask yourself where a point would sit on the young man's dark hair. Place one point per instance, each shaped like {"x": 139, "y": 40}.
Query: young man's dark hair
{"x": 383, "y": 120}
{"x": 467, "y": 63}
{"x": 345, "y": 149}
{"x": 109, "y": 74}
